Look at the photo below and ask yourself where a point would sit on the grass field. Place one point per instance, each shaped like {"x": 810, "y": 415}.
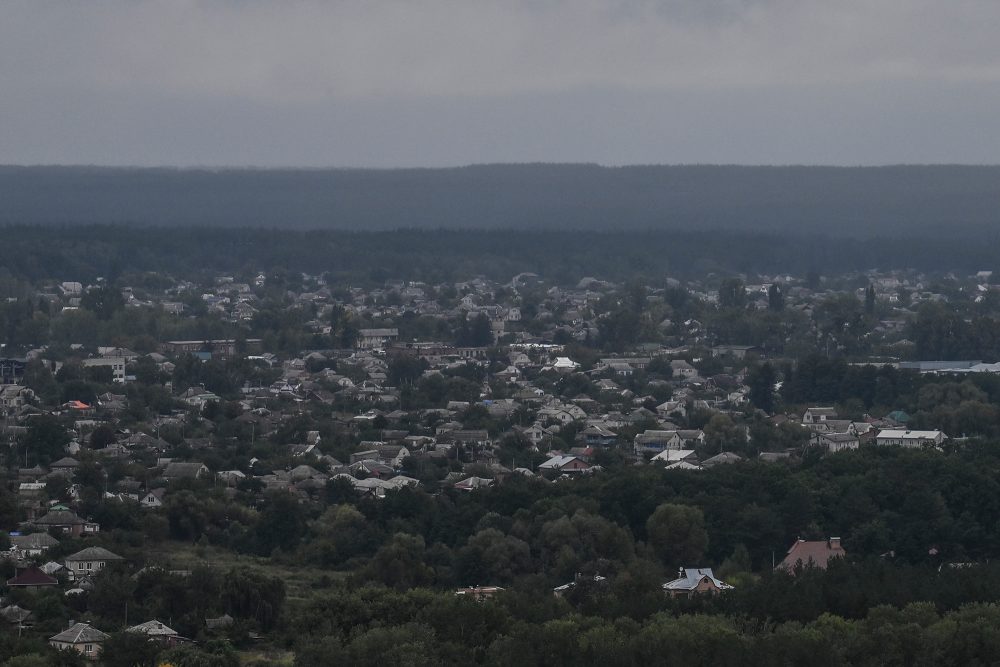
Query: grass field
{"x": 299, "y": 580}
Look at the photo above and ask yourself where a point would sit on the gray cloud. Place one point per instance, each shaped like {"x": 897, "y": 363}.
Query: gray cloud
{"x": 432, "y": 82}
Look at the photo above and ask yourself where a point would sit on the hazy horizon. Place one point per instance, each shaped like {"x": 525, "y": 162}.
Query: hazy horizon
{"x": 435, "y": 84}
{"x": 468, "y": 165}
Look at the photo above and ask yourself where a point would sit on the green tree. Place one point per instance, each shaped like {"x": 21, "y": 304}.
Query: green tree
{"x": 677, "y": 534}
{"x": 761, "y": 380}
{"x": 130, "y": 649}
{"x": 252, "y": 595}
{"x": 281, "y": 524}
{"x": 732, "y": 293}
{"x": 775, "y": 298}
{"x": 103, "y": 301}
{"x": 400, "y": 563}
{"x": 46, "y": 439}
{"x": 870, "y": 300}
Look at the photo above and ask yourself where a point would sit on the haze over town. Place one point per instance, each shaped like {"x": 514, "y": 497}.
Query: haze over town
{"x": 444, "y": 83}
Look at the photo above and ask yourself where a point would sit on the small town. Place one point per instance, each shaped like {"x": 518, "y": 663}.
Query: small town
{"x": 616, "y": 333}
{"x": 266, "y": 435}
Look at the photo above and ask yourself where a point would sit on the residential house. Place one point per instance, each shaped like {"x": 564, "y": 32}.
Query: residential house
{"x": 815, "y": 552}
{"x": 116, "y": 364}
{"x": 669, "y": 457}
{"x": 737, "y": 351}
{"x": 652, "y": 440}
{"x": 565, "y": 463}
{"x": 472, "y": 483}
{"x": 82, "y": 638}
{"x": 90, "y": 560}
{"x": 814, "y": 416}
{"x": 371, "y": 339}
{"x": 153, "y": 499}
{"x": 598, "y": 435}
{"x": 565, "y": 365}
{"x": 682, "y": 370}
{"x": 13, "y": 397}
{"x": 721, "y": 459}
{"x": 905, "y": 438}
{"x": 695, "y": 581}
{"x": 192, "y": 470}
{"x": 667, "y": 409}
{"x": 835, "y": 442}
{"x": 32, "y": 577}
{"x": 157, "y": 631}
{"x": 64, "y": 467}
{"x": 32, "y": 545}
{"x": 66, "y": 521}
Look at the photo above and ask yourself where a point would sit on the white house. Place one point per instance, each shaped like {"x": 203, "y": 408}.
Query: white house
{"x": 909, "y": 438}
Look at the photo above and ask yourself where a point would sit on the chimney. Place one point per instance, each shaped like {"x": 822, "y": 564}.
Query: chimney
{"x": 834, "y": 543}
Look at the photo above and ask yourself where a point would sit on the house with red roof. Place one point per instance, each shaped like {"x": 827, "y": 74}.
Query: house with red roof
{"x": 815, "y": 552}
{"x": 32, "y": 577}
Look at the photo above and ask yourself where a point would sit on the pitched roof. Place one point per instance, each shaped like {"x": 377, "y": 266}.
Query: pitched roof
{"x": 94, "y": 553}
{"x": 690, "y": 578}
{"x": 32, "y": 576}
{"x": 818, "y": 552}
{"x": 80, "y": 633}
{"x": 183, "y": 470}
{"x": 33, "y": 541}
{"x": 59, "y": 518}
{"x": 14, "y": 614}
{"x": 561, "y": 461}
{"x": 153, "y": 629}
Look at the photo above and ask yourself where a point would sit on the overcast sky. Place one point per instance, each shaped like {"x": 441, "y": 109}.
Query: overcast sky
{"x": 429, "y": 83}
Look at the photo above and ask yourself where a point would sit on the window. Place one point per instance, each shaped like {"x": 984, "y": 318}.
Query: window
{"x": 90, "y": 566}
{"x": 88, "y": 648}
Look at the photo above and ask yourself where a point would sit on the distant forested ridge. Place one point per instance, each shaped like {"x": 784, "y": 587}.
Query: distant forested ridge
{"x": 84, "y": 252}
{"x": 859, "y": 201}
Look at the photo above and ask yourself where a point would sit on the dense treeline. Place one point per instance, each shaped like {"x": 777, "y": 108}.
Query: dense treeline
{"x": 375, "y": 628}
{"x": 919, "y": 528}
{"x": 864, "y": 201}
{"x": 923, "y": 507}
{"x": 85, "y": 252}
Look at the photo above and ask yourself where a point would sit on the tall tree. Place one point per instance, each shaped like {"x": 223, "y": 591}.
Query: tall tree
{"x": 732, "y": 293}
{"x": 870, "y": 300}
{"x": 761, "y": 380}
{"x": 677, "y": 533}
{"x": 775, "y": 298}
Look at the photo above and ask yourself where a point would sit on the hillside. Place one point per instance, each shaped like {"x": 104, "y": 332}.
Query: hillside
{"x": 865, "y": 202}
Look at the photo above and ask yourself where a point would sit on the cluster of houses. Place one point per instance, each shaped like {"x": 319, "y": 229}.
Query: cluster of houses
{"x": 649, "y": 406}
{"x": 639, "y": 404}
{"x": 73, "y": 575}
{"x": 827, "y": 430}
{"x": 691, "y": 581}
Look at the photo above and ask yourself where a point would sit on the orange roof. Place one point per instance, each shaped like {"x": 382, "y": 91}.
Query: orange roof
{"x": 79, "y": 405}
{"x": 818, "y": 552}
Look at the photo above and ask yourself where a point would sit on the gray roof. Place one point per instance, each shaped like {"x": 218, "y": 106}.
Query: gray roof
{"x": 94, "y": 553}
{"x": 183, "y": 470}
{"x": 33, "y": 541}
{"x": 724, "y": 457}
{"x": 691, "y": 577}
{"x": 59, "y": 518}
{"x": 80, "y": 633}
{"x": 153, "y": 629}
{"x": 14, "y": 614}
